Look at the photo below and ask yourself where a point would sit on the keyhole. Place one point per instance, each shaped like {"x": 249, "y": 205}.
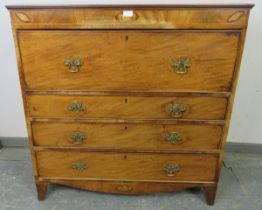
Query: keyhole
{"x": 125, "y": 127}
{"x": 127, "y": 37}
{"x": 125, "y": 157}
{"x": 125, "y": 100}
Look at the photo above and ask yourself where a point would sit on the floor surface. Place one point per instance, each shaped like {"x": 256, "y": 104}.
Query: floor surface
{"x": 240, "y": 188}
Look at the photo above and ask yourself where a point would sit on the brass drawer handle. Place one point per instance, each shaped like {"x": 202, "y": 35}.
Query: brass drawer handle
{"x": 181, "y": 65}
{"x": 78, "y": 137}
{"x": 171, "y": 169}
{"x": 127, "y": 15}
{"x": 79, "y": 166}
{"x": 76, "y": 106}
{"x": 176, "y": 110}
{"x": 73, "y": 64}
{"x": 173, "y": 137}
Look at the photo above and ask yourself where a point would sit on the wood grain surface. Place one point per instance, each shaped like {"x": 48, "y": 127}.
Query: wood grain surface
{"x": 128, "y": 60}
{"x": 127, "y": 187}
{"x": 125, "y": 166}
{"x": 127, "y": 107}
{"x": 146, "y": 18}
{"x": 127, "y": 136}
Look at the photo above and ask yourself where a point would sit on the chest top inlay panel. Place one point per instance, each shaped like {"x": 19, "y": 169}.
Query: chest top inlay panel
{"x": 128, "y": 99}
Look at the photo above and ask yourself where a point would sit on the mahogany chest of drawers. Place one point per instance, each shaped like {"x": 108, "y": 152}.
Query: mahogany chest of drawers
{"x": 128, "y": 99}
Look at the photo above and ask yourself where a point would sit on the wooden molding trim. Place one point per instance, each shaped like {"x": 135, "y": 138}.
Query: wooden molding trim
{"x": 140, "y": 6}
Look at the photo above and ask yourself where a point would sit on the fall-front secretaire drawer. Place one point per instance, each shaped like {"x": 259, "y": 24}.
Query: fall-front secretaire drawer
{"x": 126, "y": 166}
{"x": 130, "y": 107}
{"x": 127, "y": 136}
{"x": 164, "y": 60}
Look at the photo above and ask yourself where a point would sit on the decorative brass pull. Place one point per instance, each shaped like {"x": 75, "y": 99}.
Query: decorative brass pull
{"x": 76, "y": 107}
{"x": 73, "y": 64}
{"x": 171, "y": 169}
{"x": 79, "y": 166}
{"x": 78, "y": 137}
{"x": 181, "y": 65}
{"x": 176, "y": 110}
{"x": 173, "y": 137}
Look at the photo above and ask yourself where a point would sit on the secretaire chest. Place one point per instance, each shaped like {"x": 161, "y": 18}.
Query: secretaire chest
{"x": 128, "y": 99}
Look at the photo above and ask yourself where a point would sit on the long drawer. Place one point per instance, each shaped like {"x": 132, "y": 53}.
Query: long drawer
{"x": 127, "y": 136}
{"x": 126, "y": 166}
{"x": 130, "y": 107}
{"x": 164, "y": 60}
{"x": 113, "y": 17}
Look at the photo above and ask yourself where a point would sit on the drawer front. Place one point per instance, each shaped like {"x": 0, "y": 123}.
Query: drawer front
{"x": 126, "y": 166}
{"x": 161, "y": 17}
{"x": 130, "y": 107}
{"x": 128, "y": 60}
{"x": 127, "y": 136}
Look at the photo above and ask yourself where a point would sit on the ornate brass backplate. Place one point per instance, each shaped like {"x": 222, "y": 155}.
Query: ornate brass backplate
{"x": 78, "y": 137}
{"x": 73, "y": 64}
{"x": 76, "y": 106}
{"x": 176, "y": 110}
{"x": 171, "y": 169}
{"x": 173, "y": 137}
{"x": 181, "y": 65}
{"x": 79, "y": 166}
